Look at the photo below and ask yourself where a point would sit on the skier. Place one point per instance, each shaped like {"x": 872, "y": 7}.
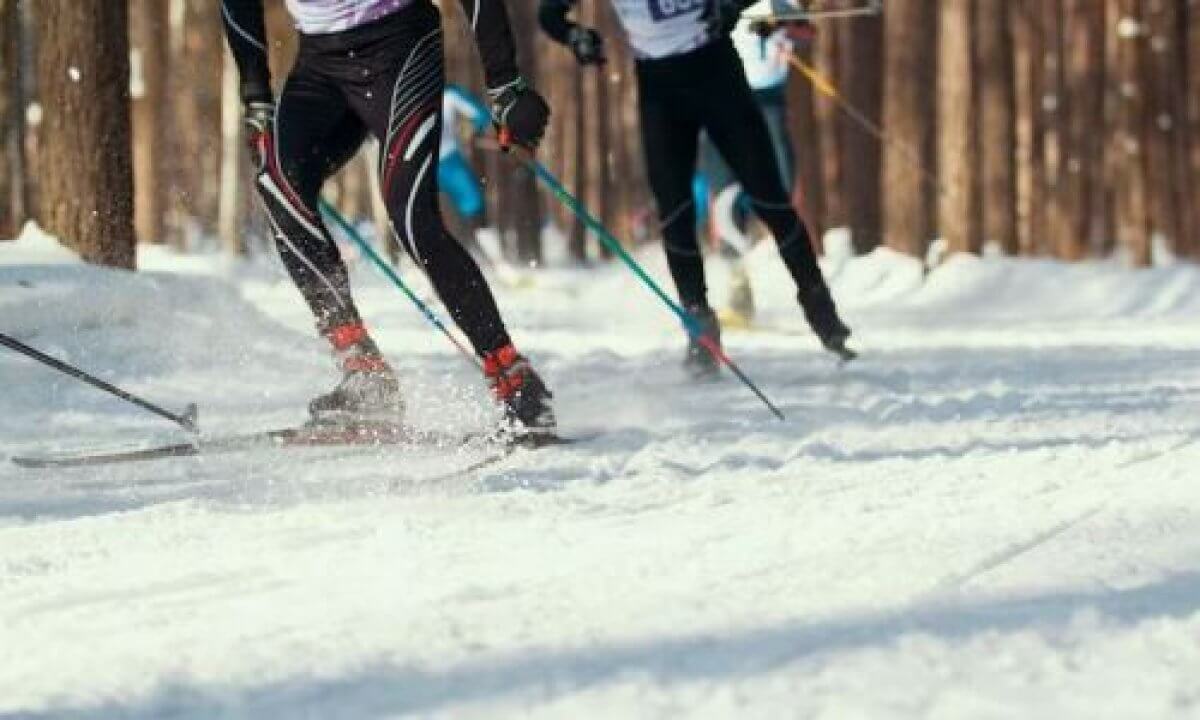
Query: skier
{"x": 690, "y": 79}
{"x": 764, "y": 47}
{"x": 375, "y": 66}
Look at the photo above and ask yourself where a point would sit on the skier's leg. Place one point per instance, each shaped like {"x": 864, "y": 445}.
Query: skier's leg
{"x": 401, "y": 104}
{"x": 739, "y": 131}
{"x": 314, "y": 135}
{"x": 670, "y": 137}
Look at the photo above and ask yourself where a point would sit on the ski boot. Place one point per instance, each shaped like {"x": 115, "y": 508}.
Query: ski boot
{"x": 369, "y": 393}
{"x": 822, "y": 316}
{"x": 528, "y": 412}
{"x": 698, "y": 362}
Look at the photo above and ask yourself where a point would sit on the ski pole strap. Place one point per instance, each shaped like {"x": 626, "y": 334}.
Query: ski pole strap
{"x": 186, "y": 420}
{"x": 378, "y": 261}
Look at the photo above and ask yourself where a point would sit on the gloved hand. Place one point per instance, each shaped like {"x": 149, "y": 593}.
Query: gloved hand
{"x": 721, "y": 16}
{"x": 587, "y": 44}
{"x": 520, "y": 113}
{"x": 259, "y": 121}
{"x": 798, "y": 31}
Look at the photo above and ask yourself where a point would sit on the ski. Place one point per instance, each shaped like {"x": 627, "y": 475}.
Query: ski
{"x": 299, "y": 437}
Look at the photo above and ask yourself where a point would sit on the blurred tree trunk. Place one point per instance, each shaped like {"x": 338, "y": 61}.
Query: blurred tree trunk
{"x": 197, "y": 48}
{"x": 997, "y": 123}
{"x": 604, "y": 177}
{"x": 956, "y": 161}
{"x": 1133, "y": 221}
{"x": 523, "y": 199}
{"x": 148, "y": 35}
{"x": 907, "y": 106}
{"x": 579, "y": 162}
{"x": 1054, "y": 124}
{"x": 1028, "y": 74}
{"x": 829, "y": 126}
{"x": 1081, "y": 109}
{"x": 1191, "y": 34}
{"x": 861, "y": 71}
{"x": 85, "y": 164}
{"x": 1166, "y": 127}
{"x": 231, "y": 212}
{"x": 806, "y": 138}
{"x": 11, "y": 121}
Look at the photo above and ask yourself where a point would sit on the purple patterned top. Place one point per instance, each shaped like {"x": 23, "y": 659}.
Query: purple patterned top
{"x": 325, "y": 16}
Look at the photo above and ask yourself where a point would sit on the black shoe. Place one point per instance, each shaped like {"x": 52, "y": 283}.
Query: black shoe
{"x": 698, "y": 361}
{"x": 822, "y": 316}
{"x": 367, "y": 396}
{"x": 528, "y": 407}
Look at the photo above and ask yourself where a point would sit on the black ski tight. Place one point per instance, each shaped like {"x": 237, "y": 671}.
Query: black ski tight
{"x": 707, "y": 90}
{"x": 386, "y": 79}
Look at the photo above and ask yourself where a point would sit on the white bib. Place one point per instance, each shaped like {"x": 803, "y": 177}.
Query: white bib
{"x": 662, "y": 28}
{"x": 314, "y": 17}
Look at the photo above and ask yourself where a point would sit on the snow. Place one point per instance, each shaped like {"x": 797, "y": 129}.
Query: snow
{"x": 993, "y": 514}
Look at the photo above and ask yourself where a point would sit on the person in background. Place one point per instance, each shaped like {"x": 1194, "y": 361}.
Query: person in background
{"x": 689, "y": 79}
{"x": 764, "y": 46}
{"x": 456, "y": 179}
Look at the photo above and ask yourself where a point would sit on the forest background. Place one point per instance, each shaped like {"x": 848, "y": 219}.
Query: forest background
{"x": 1061, "y": 128}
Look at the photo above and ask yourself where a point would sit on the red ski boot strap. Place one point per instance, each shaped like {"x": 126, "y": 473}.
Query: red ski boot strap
{"x": 505, "y": 368}
{"x": 344, "y": 337}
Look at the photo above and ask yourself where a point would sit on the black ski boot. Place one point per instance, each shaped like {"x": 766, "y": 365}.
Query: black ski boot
{"x": 369, "y": 393}
{"x": 822, "y": 316}
{"x": 698, "y": 361}
{"x": 528, "y": 408}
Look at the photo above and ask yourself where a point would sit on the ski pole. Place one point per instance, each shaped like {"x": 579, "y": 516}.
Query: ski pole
{"x": 185, "y": 420}
{"x": 689, "y": 323}
{"x": 826, "y": 87}
{"x": 872, "y": 8}
{"x": 392, "y": 275}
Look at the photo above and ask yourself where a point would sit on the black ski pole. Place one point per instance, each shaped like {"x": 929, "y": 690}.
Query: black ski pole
{"x": 186, "y": 420}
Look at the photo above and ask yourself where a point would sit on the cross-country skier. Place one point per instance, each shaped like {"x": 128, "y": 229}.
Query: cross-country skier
{"x": 690, "y": 79}
{"x": 765, "y": 47}
{"x": 375, "y": 66}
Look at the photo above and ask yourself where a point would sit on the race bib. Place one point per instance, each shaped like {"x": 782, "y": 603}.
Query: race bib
{"x": 667, "y": 9}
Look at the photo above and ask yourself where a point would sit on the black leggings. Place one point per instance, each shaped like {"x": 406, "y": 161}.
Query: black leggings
{"x": 706, "y": 89}
{"x": 386, "y": 79}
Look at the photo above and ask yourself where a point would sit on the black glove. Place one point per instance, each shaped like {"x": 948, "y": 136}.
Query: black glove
{"x": 587, "y": 44}
{"x": 259, "y": 121}
{"x": 800, "y": 32}
{"x": 520, "y": 113}
{"x": 721, "y": 16}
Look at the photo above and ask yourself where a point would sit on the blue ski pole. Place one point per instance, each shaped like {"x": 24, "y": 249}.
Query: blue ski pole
{"x": 344, "y": 224}
{"x": 690, "y": 324}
